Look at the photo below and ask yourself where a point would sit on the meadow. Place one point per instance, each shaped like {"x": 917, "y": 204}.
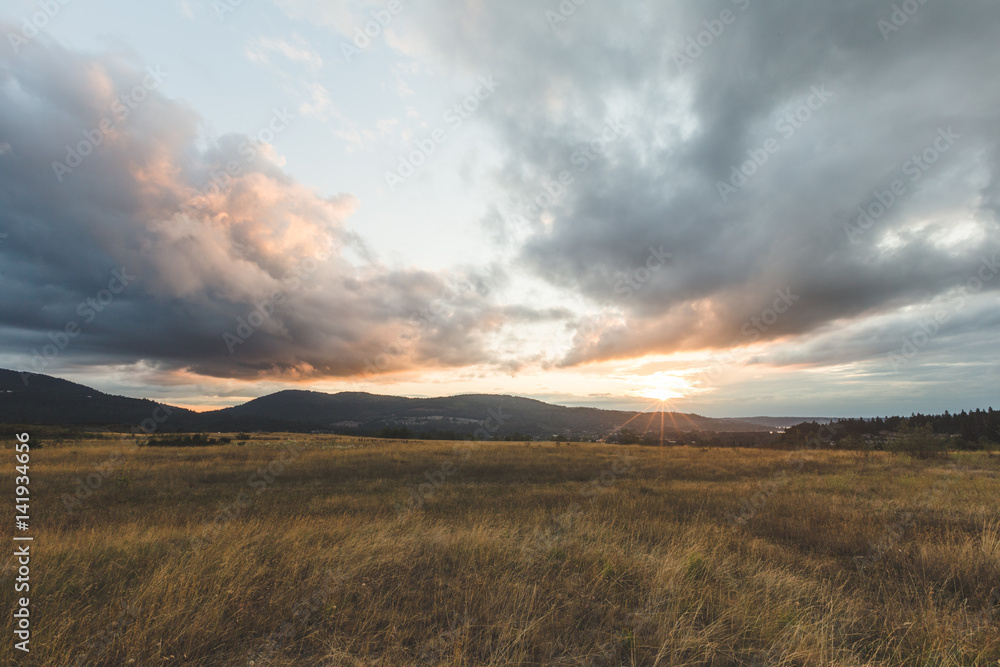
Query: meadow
{"x": 294, "y": 549}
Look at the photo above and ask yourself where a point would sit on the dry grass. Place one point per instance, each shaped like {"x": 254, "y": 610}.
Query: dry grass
{"x": 519, "y": 555}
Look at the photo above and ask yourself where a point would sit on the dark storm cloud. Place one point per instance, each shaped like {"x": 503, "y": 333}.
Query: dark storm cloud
{"x": 873, "y": 106}
{"x": 126, "y": 241}
{"x": 869, "y": 99}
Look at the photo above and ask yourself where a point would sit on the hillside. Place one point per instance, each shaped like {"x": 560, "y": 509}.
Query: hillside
{"x": 497, "y": 414}
{"x": 49, "y": 400}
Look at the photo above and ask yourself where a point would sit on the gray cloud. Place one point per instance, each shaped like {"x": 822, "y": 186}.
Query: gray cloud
{"x": 203, "y": 253}
{"x": 689, "y": 126}
{"x": 204, "y": 258}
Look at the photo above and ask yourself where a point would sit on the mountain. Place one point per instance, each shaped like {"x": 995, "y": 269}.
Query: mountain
{"x": 32, "y": 398}
{"x": 497, "y": 414}
{"x": 781, "y": 422}
{"x": 47, "y": 400}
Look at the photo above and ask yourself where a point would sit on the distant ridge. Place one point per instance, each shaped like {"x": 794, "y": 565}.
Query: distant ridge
{"x": 32, "y": 398}
{"x": 48, "y": 400}
{"x": 780, "y": 422}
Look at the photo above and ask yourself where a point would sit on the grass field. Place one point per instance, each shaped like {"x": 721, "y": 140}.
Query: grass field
{"x": 323, "y": 550}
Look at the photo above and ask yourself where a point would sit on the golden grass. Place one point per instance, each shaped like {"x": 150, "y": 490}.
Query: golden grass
{"x": 517, "y": 555}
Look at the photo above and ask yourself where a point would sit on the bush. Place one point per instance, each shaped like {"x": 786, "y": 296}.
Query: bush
{"x": 192, "y": 440}
{"x": 917, "y": 441}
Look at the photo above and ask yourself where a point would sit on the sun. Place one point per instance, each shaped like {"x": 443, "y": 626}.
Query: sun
{"x": 665, "y": 386}
{"x": 660, "y": 393}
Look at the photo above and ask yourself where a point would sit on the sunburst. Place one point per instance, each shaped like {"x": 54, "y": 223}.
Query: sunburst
{"x": 665, "y": 386}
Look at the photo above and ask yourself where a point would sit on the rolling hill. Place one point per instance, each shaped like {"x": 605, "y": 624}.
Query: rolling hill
{"x": 32, "y": 398}
{"x": 48, "y": 400}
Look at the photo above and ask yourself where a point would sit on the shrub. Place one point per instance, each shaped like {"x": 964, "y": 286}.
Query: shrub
{"x": 917, "y": 441}
{"x": 191, "y": 440}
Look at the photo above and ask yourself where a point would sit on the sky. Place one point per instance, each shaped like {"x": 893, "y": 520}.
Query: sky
{"x": 735, "y": 207}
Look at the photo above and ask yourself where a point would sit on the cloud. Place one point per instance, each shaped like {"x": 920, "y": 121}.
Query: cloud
{"x": 300, "y": 51}
{"x": 319, "y": 105}
{"x": 769, "y": 149}
{"x": 340, "y": 16}
{"x": 847, "y": 112}
{"x": 203, "y": 234}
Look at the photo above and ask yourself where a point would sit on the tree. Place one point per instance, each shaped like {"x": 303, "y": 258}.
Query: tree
{"x": 625, "y": 436}
{"x": 918, "y": 441}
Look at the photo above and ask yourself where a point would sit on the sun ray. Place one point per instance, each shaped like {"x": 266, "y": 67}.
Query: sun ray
{"x": 637, "y": 415}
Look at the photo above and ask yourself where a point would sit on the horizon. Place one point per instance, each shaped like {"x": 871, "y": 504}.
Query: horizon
{"x": 661, "y": 406}
{"x": 461, "y": 198}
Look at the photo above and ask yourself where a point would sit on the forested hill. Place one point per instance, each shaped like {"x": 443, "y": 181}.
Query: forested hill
{"x": 32, "y": 398}
{"x": 972, "y": 427}
{"x": 47, "y": 400}
{"x": 40, "y": 399}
